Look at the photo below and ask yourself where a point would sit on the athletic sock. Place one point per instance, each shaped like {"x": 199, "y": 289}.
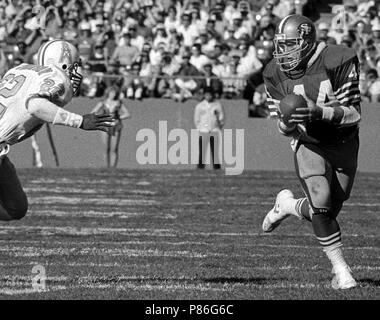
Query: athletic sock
{"x": 303, "y": 208}
{"x": 298, "y": 207}
{"x": 327, "y": 231}
{"x": 335, "y": 254}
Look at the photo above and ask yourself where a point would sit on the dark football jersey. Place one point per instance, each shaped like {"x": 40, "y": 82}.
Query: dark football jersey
{"x": 333, "y": 76}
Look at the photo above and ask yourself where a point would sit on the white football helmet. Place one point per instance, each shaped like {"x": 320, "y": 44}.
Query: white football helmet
{"x": 64, "y": 56}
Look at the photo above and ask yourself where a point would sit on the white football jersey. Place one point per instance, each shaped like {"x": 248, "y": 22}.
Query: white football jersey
{"x": 17, "y": 87}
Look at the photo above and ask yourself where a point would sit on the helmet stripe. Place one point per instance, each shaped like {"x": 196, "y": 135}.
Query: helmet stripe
{"x": 282, "y": 23}
{"x": 41, "y": 55}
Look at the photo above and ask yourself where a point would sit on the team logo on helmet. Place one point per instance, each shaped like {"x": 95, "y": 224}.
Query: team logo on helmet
{"x": 66, "y": 52}
{"x": 304, "y": 29}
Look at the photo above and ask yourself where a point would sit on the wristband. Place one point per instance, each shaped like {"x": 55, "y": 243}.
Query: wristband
{"x": 327, "y": 113}
{"x": 69, "y": 119}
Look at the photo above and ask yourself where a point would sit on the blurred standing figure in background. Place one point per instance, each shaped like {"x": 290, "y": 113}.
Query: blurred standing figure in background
{"x": 112, "y": 105}
{"x": 209, "y": 120}
{"x": 37, "y": 159}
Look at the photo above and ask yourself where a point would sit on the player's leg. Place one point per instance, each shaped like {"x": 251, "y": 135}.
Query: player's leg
{"x": 342, "y": 179}
{"x": 202, "y": 147}
{"x": 285, "y": 206}
{"x": 114, "y": 148}
{"x": 345, "y": 160}
{"x": 318, "y": 180}
{"x": 13, "y": 200}
{"x": 314, "y": 174}
{"x": 214, "y": 148}
{"x": 341, "y": 186}
{"x": 105, "y": 136}
{"x": 312, "y": 165}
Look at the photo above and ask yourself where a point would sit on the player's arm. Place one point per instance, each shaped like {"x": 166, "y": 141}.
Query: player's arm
{"x": 273, "y": 98}
{"x": 345, "y": 80}
{"x": 345, "y": 110}
{"x": 219, "y": 113}
{"x": 47, "y": 111}
{"x": 197, "y": 115}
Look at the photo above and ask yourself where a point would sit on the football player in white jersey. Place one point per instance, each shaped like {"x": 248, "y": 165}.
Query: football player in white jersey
{"x": 31, "y": 95}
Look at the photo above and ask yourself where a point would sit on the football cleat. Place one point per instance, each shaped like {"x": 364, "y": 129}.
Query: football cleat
{"x": 274, "y": 217}
{"x": 343, "y": 279}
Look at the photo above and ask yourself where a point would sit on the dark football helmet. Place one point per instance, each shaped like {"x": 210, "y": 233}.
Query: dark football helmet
{"x": 294, "y": 41}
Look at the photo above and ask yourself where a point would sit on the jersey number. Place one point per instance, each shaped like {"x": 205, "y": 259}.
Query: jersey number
{"x": 14, "y": 85}
{"x": 9, "y": 86}
{"x": 325, "y": 90}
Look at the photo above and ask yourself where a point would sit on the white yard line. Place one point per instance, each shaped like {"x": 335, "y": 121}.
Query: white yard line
{"x": 120, "y": 201}
{"x": 51, "y": 230}
{"x": 16, "y": 292}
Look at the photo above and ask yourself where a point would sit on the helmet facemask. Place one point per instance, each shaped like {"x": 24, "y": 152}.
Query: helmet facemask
{"x": 75, "y": 76}
{"x": 289, "y": 53}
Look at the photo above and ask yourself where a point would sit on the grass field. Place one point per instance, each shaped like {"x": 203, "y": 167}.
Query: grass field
{"x": 178, "y": 235}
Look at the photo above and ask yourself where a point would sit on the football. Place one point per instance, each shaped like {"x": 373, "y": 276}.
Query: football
{"x": 289, "y": 103}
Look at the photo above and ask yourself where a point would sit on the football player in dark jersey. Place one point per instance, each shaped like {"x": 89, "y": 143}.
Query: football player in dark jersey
{"x": 325, "y": 134}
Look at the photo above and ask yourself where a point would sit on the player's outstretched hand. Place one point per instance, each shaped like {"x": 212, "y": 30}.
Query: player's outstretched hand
{"x": 309, "y": 114}
{"x": 97, "y": 122}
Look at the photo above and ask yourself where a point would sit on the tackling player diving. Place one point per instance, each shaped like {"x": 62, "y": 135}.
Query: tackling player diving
{"x": 31, "y": 95}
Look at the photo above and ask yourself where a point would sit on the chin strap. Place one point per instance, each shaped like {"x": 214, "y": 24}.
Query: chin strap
{"x": 316, "y": 54}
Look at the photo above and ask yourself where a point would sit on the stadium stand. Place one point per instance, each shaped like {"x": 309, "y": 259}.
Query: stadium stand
{"x": 143, "y": 46}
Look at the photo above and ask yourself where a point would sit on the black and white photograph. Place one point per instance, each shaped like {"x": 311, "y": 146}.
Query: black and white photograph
{"x": 207, "y": 152}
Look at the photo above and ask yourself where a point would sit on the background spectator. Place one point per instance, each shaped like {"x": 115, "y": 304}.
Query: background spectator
{"x": 133, "y": 86}
{"x": 125, "y": 53}
{"x": 112, "y": 104}
{"x": 167, "y": 69}
{"x": 371, "y": 89}
{"x": 3, "y": 63}
{"x": 233, "y": 83}
{"x": 185, "y": 84}
{"x": 209, "y": 120}
{"x": 211, "y": 81}
{"x": 198, "y": 59}
{"x": 114, "y": 35}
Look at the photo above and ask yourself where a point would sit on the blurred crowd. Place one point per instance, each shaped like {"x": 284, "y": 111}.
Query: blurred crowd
{"x": 176, "y": 48}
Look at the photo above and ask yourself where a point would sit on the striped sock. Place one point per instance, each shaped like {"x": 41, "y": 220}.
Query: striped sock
{"x": 335, "y": 254}
{"x": 303, "y": 208}
{"x": 327, "y": 230}
{"x": 330, "y": 241}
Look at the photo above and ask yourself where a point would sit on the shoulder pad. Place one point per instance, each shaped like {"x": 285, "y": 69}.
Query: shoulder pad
{"x": 336, "y": 55}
